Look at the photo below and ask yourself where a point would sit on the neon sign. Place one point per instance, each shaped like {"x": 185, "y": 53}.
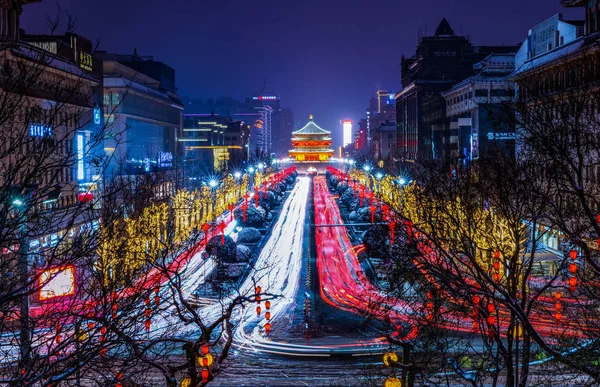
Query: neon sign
{"x": 38, "y": 130}
{"x": 265, "y": 98}
{"x": 57, "y": 282}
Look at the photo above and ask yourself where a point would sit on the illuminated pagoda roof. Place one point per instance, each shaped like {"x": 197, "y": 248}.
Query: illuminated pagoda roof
{"x": 311, "y": 129}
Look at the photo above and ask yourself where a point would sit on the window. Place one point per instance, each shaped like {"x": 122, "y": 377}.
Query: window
{"x": 481, "y": 93}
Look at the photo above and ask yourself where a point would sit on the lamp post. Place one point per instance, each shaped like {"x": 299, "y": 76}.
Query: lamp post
{"x": 25, "y": 331}
{"x": 251, "y": 171}
{"x": 379, "y": 176}
{"x": 213, "y": 183}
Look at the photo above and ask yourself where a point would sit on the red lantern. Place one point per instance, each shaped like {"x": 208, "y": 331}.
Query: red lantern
{"x": 572, "y": 283}
{"x": 268, "y": 304}
{"x": 147, "y": 301}
{"x": 205, "y": 227}
{"x": 476, "y": 300}
{"x": 268, "y": 328}
{"x": 558, "y": 306}
{"x": 205, "y": 350}
{"x": 258, "y": 299}
{"x": 573, "y": 268}
{"x": 573, "y": 254}
{"x": 231, "y": 208}
{"x": 491, "y": 320}
{"x": 91, "y": 325}
{"x": 256, "y": 198}
{"x": 598, "y": 218}
{"x": 558, "y": 295}
{"x": 475, "y": 326}
{"x": 204, "y": 375}
{"x": 557, "y": 315}
{"x": 147, "y": 323}
{"x": 258, "y": 310}
{"x": 147, "y": 312}
{"x": 496, "y": 277}
{"x": 429, "y": 305}
{"x": 157, "y": 300}
{"x": 222, "y": 227}
{"x": 246, "y": 196}
{"x": 103, "y": 351}
{"x": 491, "y": 308}
{"x": 497, "y": 265}
{"x": 429, "y": 316}
{"x": 204, "y": 362}
{"x": 372, "y": 209}
{"x": 258, "y": 289}
{"x": 268, "y": 315}
{"x": 103, "y": 330}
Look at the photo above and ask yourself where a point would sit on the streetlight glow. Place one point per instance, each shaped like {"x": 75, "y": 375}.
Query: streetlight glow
{"x": 251, "y": 169}
{"x": 237, "y": 174}
{"x": 261, "y": 166}
{"x": 366, "y": 168}
{"x": 401, "y": 181}
{"x": 213, "y": 183}
{"x": 379, "y": 175}
{"x": 17, "y": 202}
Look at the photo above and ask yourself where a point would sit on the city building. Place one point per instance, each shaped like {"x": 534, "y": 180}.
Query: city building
{"x": 213, "y": 143}
{"x": 440, "y": 61}
{"x": 346, "y": 132}
{"x": 384, "y": 144}
{"x": 144, "y": 111}
{"x": 311, "y": 143}
{"x": 285, "y": 132}
{"x": 468, "y": 106}
{"x": 382, "y": 109}
{"x": 61, "y": 104}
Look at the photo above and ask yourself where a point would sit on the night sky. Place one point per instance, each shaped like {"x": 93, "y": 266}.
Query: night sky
{"x": 325, "y": 57}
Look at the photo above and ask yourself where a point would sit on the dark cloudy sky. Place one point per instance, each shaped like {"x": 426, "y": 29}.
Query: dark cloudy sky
{"x": 325, "y": 57}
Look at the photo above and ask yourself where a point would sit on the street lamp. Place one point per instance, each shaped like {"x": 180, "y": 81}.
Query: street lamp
{"x": 213, "y": 183}
{"x": 261, "y": 166}
{"x": 237, "y": 175}
{"x": 367, "y": 168}
{"x": 401, "y": 181}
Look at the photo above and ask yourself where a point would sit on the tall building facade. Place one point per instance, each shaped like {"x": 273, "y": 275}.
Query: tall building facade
{"x": 213, "y": 143}
{"x": 144, "y": 110}
{"x": 440, "y": 61}
{"x": 468, "y": 106}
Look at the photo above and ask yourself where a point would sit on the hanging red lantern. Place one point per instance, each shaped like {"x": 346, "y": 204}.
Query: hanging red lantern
{"x": 258, "y": 289}
{"x": 256, "y": 198}
{"x": 491, "y": 308}
{"x": 475, "y": 326}
{"x": 429, "y": 306}
{"x": 573, "y": 268}
{"x": 103, "y": 351}
{"x": 572, "y": 283}
{"x": 573, "y": 254}
{"x": 157, "y": 300}
{"x": 222, "y": 227}
{"x": 496, "y": 254}
{"x": 476, "y": 299}
{"x": 268, "y": 304}
{"x": 257, "y": 299}
{"x": 147, "y": 301}
{"x": 557, "y": 315}
{"x": 558, "y": 306}
{"x": 497, "y": 265}
{"x": 103, "y": 330}
{"x": 258, "y": 310}
{"x": 204, "y": 349}
{"x": 205, "y": 375}
{"x": 372, "y": 208}
{"x": 428, "y": 294}
{"x": 147, "y": 312}
{"x": 491, "y": 320}
{"x": 558, "y": 295}
{"x": 204, "y": 362}
{"x": 496, "y": 277}
{"x": 91, "y": 325}
{"x": 268, "y": 328}
{"x": 205, "y": 227}
{"x": 147, "y": 324}
{"x": 429, "y": 316}
{"x": 246, "y": 196}
{"x": 268, "y": 315}
{"x": 598, "y": 218}
{"x": 231, "y": 208}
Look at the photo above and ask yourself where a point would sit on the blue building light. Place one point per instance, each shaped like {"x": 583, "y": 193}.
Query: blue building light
{"x": 39, "y": 130}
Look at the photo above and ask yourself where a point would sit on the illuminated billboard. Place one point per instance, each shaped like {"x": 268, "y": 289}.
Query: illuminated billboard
{"x": 347, "y": 130}
{"x": 57, "y": 282}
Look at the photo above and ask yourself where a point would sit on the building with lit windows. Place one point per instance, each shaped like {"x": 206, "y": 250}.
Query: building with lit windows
{"x": 144, "y": 111}
{"x": 213, "y": 143}
{"x": 311, "y": 143}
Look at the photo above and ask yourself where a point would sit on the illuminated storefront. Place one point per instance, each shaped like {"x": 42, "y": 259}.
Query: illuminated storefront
{"x": 311, "y": 143}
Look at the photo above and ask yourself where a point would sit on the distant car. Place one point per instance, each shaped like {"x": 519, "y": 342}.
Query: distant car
{"x": 311, "y": 171}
